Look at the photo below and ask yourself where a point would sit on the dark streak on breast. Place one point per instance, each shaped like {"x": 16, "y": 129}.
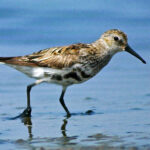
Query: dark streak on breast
{"x": 72, "y": 75}
{"x": 84, "y": 75}
{"x": 56, "y": 77}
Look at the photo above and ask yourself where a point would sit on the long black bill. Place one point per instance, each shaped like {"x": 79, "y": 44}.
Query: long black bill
{"x": 131, "y": 51}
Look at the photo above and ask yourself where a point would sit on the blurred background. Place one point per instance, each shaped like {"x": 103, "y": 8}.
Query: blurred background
{"x": 119, "y": 96}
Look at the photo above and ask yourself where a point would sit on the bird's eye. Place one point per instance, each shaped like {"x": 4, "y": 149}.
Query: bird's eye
{"x": 116, "y": 38}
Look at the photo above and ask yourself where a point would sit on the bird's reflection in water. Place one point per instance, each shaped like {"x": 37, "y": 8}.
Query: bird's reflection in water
{"x": 28, "y": 122}
{"x": 65, "y": 139}
{"x": 63, "y": 126}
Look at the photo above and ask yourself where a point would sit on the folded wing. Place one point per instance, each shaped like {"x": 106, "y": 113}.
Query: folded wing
{"x": 57, "y": 57}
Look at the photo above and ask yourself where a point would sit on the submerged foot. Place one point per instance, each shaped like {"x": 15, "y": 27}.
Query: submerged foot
{"x": 25, "y": 113}
{"x": 68, "y": 115}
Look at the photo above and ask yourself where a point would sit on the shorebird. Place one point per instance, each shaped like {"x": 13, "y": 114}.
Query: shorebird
{"x": 68, "y": 65}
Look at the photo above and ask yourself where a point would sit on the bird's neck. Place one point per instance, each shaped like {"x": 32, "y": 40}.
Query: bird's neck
{"x": 103, "y": 47}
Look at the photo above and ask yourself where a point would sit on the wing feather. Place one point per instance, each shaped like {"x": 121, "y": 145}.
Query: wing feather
{"x": 57, "y": 57}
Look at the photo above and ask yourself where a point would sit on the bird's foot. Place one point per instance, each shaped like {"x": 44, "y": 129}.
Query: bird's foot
{"x": 25, "y": 113}
{"x": 68, "y": 115}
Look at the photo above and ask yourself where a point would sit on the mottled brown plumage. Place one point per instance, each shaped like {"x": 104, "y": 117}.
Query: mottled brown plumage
{"x": 71, "y": 64}
{"x": 57, "y": 57}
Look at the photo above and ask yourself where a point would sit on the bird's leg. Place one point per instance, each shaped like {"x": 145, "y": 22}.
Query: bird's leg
{"x": 27, "y": 111}
{"x": 61, "y": 99}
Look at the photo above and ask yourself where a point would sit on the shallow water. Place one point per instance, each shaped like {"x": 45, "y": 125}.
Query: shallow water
{"x": 117, "y": 99}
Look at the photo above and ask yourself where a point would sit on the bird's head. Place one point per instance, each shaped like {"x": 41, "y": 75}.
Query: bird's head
{"x": 116, "y": 41}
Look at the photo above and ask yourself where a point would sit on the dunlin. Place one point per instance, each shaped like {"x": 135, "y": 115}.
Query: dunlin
{"x": 71, "y": 64}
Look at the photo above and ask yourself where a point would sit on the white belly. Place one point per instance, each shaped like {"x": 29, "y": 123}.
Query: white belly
{"x": 38, "y": 72}
{"x": 57, "y": 76}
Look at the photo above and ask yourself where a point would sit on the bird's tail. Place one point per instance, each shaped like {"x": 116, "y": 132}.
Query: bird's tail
{"x": 6, "y": 60}
{"x": 19, "y": 60}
